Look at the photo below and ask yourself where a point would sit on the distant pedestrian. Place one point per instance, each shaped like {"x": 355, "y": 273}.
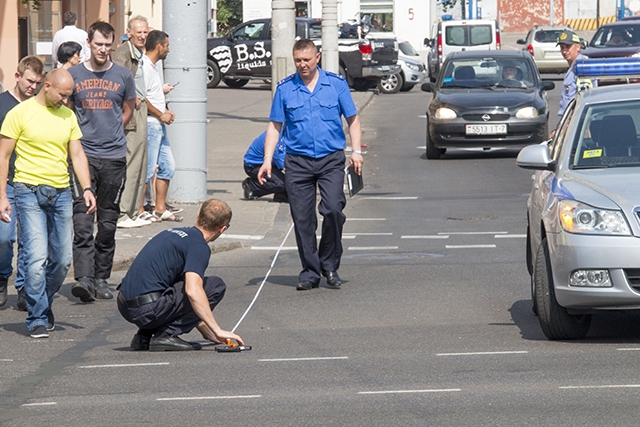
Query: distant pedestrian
{"x": 69, "y": 54}
{"x": 159, "y": 116}
{"x": 28, "y": 77}
{"x": 130, "y": 55}
{"x": 44, "y": 133}
{"x": 166, "y": 293}
{"x": 70, "y": 33}
{"x": 310, "y": 104}
{"x": 570, "y": 48}
{"x": 253, "y": 160}
{"x": 104, "y": 97}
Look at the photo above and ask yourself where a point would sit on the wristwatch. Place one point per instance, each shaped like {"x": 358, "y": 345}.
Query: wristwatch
{"x": 93, "y": 190}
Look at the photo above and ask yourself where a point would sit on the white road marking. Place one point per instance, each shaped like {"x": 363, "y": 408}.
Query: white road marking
{"x": 474, "y": 232}
{"x": 124, "y": 365}
{"x": 482, "y": 353}
{"x": 372, "y": 248}
{"x": 424, "y": 237}
{"x": 46, "y": 340}
{"x": 274, "y": 248}
{"x": 444, "y": 390}
{"x": 366, "y": 219}
{"x": 366, "y": 234}
{"x": 298, "y": 359}
{"x": 600, "y": 386}
{"x": 344, "y": 237}
{"x": 629, "y": 349}
{"x": 253, "y": 396}
{"x": 39, "y": 404}
{"x": 388, "y": 198}
{"x": 469, "y": 246}
{"x": 241, "y": 237}
{"x": 6, "y": 360}
{"x": 510, "y": 236}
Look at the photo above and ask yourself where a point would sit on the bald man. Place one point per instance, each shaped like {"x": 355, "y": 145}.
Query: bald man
{"x": 44, "y": 132}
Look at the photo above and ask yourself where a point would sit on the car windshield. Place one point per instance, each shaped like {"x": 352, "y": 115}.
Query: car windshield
{"x": 515, "y": 73}
{"x": 407, "y": 49}
{"x": 547, "y": 36}
{"x": 616, "y": 36}
{"x": 608, "y": 136}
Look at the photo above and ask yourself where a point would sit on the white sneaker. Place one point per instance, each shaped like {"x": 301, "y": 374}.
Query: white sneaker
{"x": 128, "y": 223}
{"x": 140, "y": 222}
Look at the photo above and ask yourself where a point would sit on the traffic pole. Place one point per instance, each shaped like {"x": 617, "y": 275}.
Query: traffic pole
{"x": 186, "y": 25}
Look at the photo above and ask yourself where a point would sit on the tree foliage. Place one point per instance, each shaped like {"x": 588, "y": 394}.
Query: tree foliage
{"x": 35, "y": 4}
{"x": 229, "y": 15}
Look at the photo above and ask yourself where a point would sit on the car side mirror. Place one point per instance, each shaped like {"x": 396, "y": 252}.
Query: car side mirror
{"x": 427, "y": 87}
{"x": 548, "y": 85}
{"x": 427, "y": 41}
{"x": 521, "y": 41}
{"x": 536, "y": 157}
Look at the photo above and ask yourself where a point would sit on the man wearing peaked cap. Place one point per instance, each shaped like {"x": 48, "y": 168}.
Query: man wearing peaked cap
{"x": 569, "y": 43}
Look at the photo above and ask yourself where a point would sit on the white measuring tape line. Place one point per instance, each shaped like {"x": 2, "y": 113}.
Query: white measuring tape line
{"x": 264, "y": 280}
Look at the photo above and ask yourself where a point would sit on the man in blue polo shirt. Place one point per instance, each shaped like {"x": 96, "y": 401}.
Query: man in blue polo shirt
{"x": 253, "y": 160}
{"x": 310, "y": 104}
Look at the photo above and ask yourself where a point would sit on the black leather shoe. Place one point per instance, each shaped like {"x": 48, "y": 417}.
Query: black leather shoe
{"x": 171, "y": 343}
{"x": 306, "y": 286}
{"x": 140, "y": 342}
{"x": 248, "y": 194}
{"x": 84, "y": 290}
{"x": 21, "y": 304}
{"x": 102, "y": 289}
{"x": 333, "y": 280}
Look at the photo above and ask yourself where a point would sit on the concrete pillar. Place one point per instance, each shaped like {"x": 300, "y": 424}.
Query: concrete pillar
{"x": 186, "y": 24}
{"x": 330, "y": 58}
{"x": 283, "y": 34}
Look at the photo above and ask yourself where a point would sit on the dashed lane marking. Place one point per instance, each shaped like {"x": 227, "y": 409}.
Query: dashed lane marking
{"x": 510, "y": 236}
{"x": 366, "y": 219}
{"x": 424, "y": 237}
{"x": 252, "y": 396}
{"x": 303, "y": 359}
{"x": 472, "y": 232}
{"x": 366, "y": 234}
{"x": 483, "y": 353}
{"x": 469, "y": 246}
{"x": 569, "y": 387}
{"x": 274, "y": 248}
{"x": 6, "y": 360}
{"x": 124, "y": 365}
{"x": 241, "y": 237}
{"x": 372, "y": 248}
{"x": 39, "y": 404}
{"x": 388, "y": 198}
{"x": 444, "y": 390}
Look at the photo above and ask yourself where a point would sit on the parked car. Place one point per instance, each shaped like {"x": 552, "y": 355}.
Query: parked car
{"x": 583, "y": 232}
{"x": 621, "y": 38}
{"x": 542, "y": 43}
{"x": 474, "y": 104}
{"x": 455, "y": 36}
{"x": 413, "y": 71}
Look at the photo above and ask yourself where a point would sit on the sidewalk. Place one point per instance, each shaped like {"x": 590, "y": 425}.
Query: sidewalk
{"x": 237, "y": 117}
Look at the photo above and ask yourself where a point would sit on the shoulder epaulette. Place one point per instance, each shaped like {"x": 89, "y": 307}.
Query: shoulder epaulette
{"x": 338, "y": 76}
{"x": 286, "y": 79}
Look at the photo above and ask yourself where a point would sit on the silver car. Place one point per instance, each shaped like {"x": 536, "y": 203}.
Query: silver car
{"x": 541, "y": 43}
{"x": 583, "y": 233}
{"x": 413, "y": 71}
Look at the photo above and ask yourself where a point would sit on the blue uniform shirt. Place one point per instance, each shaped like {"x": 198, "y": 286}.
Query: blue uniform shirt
{"x": 313, "y": 121}
{"x": 569, "y": 86}
{"x": 255, "y": 152}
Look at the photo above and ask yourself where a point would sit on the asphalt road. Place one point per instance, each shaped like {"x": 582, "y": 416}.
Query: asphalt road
{"x": 432, "y": 327}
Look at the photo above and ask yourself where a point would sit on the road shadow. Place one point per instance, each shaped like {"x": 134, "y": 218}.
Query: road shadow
{"x": 460, "y": 154}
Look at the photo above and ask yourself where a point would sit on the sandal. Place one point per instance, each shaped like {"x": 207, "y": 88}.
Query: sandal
{"x": 168, "y": 216}
{"x": 147, "y": 216}
{"x": 173, "y": 209}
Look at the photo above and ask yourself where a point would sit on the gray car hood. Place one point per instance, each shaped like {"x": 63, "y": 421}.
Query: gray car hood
{"x": 611, "y": 188}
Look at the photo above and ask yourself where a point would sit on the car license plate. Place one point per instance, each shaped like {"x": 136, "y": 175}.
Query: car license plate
{"x": 553, "y": 55}
{"x": 486, "y": 129}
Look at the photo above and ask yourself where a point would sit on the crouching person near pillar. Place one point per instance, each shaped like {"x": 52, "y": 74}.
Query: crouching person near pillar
{"x": 44, "y": 133}
{"x": 165, "y": 292}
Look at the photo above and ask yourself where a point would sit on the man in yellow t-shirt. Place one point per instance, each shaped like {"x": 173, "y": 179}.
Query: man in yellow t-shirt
{"x": 44, "y": 133}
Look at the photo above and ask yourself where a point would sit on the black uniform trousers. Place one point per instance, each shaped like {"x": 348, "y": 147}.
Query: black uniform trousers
{"x": 303, "y": 175}
{"x": 172, "y": 313}
{"x": 274, "y": 185}
{"x": 93, "y": 257}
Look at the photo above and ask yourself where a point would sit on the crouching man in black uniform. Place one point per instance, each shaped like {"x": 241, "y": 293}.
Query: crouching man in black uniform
{"x": 165, "y": 292}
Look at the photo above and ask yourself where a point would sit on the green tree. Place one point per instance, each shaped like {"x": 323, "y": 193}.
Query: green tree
{"x": 229, "y": 15}
{"x": 35, "y": 4}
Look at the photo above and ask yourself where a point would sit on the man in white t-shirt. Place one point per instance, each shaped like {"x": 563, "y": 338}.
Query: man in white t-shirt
{"x": 70, "y": 33}
{"x": 160, "y": 155}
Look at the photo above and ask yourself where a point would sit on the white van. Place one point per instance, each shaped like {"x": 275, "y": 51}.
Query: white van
{"x": 454, "y": 36}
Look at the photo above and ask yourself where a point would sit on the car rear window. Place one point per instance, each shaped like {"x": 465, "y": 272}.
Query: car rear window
{"x": 616, "y": 36}
{"x": 547, "y": 36}
{"x": 468, "y": 35}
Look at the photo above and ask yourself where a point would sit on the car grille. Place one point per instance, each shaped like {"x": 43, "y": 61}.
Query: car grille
{"x": 633, "y": 277}
{"x": 493, "y": 117}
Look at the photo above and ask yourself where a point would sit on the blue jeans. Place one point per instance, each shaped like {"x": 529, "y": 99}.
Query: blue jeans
{"x": 159, "y": 152}
{"x": 7, "y": 241}
{"x": 46, "y": 230}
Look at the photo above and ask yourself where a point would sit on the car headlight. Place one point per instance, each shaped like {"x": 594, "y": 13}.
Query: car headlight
{"x": 527, "y": 113}
{"x": 445, "y": 113}
{"x": 576, "y": 217}
{"x": 414, "y": 67}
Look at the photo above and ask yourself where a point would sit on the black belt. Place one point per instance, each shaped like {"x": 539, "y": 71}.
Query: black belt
{"x": 141, "y": 299}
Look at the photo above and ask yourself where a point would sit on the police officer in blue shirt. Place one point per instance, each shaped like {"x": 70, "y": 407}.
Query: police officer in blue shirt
{"x": 569, "y": 43}
{"x": 253, "y": 160}
{"x": 310, "y": 104}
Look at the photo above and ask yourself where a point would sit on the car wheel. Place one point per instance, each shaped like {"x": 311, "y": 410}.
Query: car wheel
{"x": 406, "y": 88}
{"x": 213, "y": 74}
{"x": 529, "y": 254}
{"x": 236, "y": 83}
{"x": 534, "y": 301}
{"x": 556, "y": 322}
{"x": 362, "y": 85}
{"x": 433, "y": 152}
{"x": 391, "y": 84}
